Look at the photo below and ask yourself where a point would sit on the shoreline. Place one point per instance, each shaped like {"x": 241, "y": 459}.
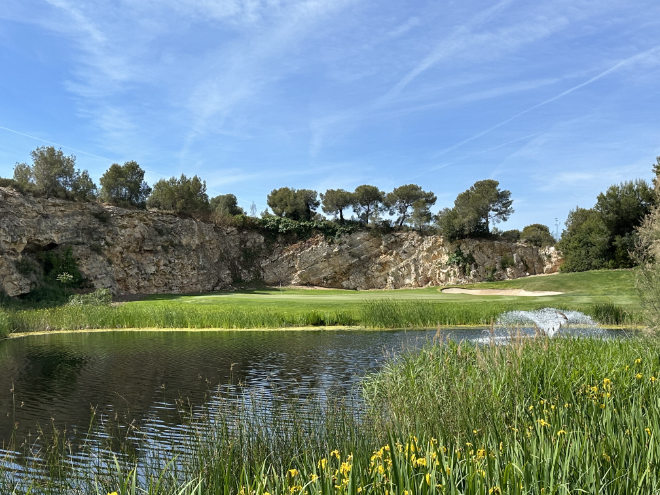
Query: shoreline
{"x": 18, "y": 335}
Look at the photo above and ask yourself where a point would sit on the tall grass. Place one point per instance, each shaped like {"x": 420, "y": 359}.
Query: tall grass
{"x": 538, "y": 416}
{"x": 169, "y": 316}
{"x": 383, "y": 313}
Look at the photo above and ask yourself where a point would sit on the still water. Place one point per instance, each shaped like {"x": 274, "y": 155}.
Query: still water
{"x": 61, "y": 380}
{"x": 58, "y": 379}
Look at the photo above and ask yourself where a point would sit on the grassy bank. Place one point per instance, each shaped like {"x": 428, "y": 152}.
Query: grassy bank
{"x": 609, "y": 296}
{"x": 539, "y": 416}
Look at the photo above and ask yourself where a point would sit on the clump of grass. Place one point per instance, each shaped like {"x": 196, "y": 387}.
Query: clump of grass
{"x": 611, "y": 314}
{"x": 5, "y": 324}
{"x": 388, "y": 313}
{"x": 562, "y": 414}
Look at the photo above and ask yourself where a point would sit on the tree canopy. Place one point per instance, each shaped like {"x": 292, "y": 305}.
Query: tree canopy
{"x": 475, "y": 210}
{"x": 124, "y": 185}
{"x": 226, "y": 205}
{"x": 296, "y": 204}
{"x": 335, "y": 201}
{"x": 53, "y": 174}
{"x": 537, "y": 234}
{"x": 182, "y": 195}
{"x": 585, "y": 242}
{"x": 403, "y": 200}
{"x": 367, "y": 202}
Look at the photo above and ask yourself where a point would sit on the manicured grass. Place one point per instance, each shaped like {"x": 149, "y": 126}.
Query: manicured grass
{"x": 609, "y": 296}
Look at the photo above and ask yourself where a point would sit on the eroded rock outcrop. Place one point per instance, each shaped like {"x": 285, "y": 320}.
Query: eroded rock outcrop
{"x": 139, "y": 252}
{"x": 128, "y": 251}
{"x": 367, "y": 260}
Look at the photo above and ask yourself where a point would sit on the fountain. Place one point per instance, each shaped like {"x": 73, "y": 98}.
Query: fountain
{"x": 547, "y": 321}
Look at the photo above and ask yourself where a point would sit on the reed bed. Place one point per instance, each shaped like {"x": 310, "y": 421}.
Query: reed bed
{"x": 551, "y": 416}
{"x": 376, "y": 313}
{"x": 167, "y": 316}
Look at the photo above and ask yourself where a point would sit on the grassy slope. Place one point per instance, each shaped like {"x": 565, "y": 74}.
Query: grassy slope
{"x": 602, "y": 286}
{"x": 609, "y": 296}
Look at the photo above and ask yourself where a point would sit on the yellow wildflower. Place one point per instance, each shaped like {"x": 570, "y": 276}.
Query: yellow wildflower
{"x": 420, "y": 462}
{"x": 639, "y": 376}
{"x": 113, "y": 493}
{"x": 293, "y": 472}
{"x": 638, "y": 361}
{"x": 481, "y": 453}
{"x": 380, "y": 469}
{"x": 313, "y": 477}
{"x": 607, "y": 383}
{"x": 335, "y": 453}
{"x": 530, "y": 408}
{"x": 542, "y": 422}
{"x": 653, "y": 379}
{"x": 561, "y": 432}
{"x": 448, "y": 471}
{"x": 428, "y": 479}
{"x": 648, "y": 431}
{"x": 495, "y": 491}
{"x": 345, "y": 468}
{"x": 323, "y": 463}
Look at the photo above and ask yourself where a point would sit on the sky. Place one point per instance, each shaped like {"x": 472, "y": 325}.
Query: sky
{"x": 556, "y": 100}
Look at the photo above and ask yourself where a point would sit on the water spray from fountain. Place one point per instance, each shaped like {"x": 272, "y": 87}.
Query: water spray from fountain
{"x": 547, "y": 321}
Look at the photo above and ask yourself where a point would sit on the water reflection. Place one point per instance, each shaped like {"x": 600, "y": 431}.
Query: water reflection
{"x": 59, "y": 379}
{"x": 147, "y": 379}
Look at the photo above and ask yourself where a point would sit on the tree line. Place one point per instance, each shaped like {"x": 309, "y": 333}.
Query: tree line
{"x": 606, "y": 235}
{"x": 475, "y": 212}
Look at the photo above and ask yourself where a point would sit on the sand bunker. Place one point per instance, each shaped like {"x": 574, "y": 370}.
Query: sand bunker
{"x": 501, "y": 292}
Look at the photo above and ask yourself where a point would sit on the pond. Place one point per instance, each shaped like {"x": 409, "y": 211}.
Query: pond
{"x": 62, "y": 380}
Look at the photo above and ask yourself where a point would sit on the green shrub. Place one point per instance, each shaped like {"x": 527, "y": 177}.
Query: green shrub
{"x": 60, "y": 261}
{"x": 460, "y": 259}
{"x": 506, "y": 261}
{"x": 100, "y": 297}
{"x": 305, "y": 229}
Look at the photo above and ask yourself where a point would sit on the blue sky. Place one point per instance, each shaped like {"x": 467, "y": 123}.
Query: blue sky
{"x": 557, "y": 100}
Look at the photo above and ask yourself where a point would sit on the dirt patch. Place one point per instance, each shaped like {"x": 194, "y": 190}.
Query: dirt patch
{"x": 501, "y": 292}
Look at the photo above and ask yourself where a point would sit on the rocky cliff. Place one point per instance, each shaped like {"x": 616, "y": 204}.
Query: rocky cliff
{"x": 139, "y": 252}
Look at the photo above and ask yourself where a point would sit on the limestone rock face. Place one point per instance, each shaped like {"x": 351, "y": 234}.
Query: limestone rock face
{"x": 128, "y": 251}
{"x": 402, "y": 259}
{"x": 140, "y": 252}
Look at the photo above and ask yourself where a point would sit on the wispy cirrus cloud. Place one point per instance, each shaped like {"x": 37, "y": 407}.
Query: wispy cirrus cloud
{"x": 645, "y": 57}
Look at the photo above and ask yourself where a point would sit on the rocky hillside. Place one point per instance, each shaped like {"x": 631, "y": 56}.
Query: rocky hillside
{"x": 139, "y": 252}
